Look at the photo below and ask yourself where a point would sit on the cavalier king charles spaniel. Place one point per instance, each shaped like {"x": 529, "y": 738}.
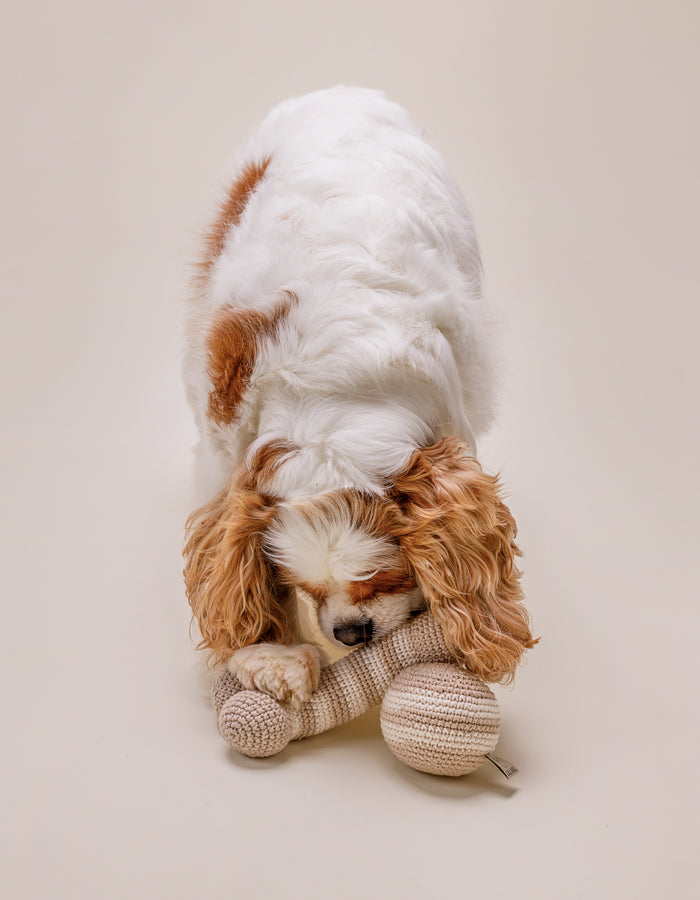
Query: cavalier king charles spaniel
{"x": 340, "y": 366}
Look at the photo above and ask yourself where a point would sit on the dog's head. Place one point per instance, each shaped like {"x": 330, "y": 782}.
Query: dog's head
{"x": 441, "y": 538}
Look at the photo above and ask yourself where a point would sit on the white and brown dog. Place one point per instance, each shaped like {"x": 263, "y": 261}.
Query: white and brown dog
{"x": 339, "y": 367}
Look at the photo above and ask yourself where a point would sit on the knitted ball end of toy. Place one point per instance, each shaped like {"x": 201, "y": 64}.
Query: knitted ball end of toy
{"x": 440, "y": 719}
{"x": 255, "y": 724}
{"x": 224, "y": 687}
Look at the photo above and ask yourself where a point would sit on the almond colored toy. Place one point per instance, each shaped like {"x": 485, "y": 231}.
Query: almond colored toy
{"x": 435, "y": 716}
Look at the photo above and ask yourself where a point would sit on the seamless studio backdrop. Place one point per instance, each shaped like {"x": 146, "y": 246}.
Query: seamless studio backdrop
{"x": 572, "y": 130}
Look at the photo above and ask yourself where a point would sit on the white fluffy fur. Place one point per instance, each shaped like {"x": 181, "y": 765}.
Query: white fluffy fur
{"x": 328, "y": 550}
{"x": 388, "y": 347}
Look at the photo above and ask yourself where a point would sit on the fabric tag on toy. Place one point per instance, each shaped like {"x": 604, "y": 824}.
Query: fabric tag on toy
{"x": 507, "y": 768}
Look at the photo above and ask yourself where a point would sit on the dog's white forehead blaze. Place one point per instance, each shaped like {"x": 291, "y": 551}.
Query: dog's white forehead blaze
{"x": 331, "y": 548}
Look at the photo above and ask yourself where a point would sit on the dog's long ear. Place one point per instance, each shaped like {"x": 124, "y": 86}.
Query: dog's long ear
{"x": 230, "y": 585}
{"x": 459, "y": 537}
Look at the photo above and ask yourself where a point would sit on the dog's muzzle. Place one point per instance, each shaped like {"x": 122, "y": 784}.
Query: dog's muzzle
{"x": 353, "y": 633}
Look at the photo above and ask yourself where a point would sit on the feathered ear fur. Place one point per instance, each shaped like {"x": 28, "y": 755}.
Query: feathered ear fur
{"x": 230, "y": 585}
{"x": 459, "y": 537}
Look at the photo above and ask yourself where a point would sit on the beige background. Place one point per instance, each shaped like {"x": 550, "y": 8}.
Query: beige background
{"x": 572, "y": 128}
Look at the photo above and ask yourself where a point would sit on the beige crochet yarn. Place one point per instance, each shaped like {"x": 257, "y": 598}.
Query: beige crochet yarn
{"x": 436, "y": 717}
{"x": 439, "y": 718}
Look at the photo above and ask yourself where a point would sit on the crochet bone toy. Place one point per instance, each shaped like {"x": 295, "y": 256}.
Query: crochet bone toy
{"x": 435, "y": 716}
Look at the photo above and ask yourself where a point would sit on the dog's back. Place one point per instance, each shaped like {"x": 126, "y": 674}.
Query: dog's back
{"x": 338, "y": 304}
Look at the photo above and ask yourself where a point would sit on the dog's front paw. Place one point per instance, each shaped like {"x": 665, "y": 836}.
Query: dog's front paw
{"x": 289, "y": 674}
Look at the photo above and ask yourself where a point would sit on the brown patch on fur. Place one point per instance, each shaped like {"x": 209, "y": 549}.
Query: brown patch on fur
{"x": 233, "y": 343}
{"x": 235, "y": 595}
{"x": 261, "y": 467}
{"x": 318, "y": 591}
{"x": 459, "y": 537}
{"x": 396, "y": 580}
{"x": 229, "y": 215}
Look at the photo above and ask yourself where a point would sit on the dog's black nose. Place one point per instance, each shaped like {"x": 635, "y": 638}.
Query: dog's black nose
{"x": 354, "y": 632}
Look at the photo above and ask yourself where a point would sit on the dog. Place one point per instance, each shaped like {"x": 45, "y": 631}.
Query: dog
{"x": 340, "y": 366}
